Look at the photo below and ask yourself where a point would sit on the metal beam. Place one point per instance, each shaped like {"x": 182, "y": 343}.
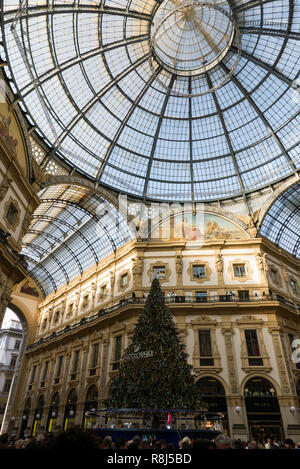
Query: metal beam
{"x": 35, "y": 11}
{"x": 270, "y": 32}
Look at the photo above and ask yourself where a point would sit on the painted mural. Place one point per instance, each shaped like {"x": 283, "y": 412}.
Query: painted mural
{"x": 206, "y": 226}
{"x": 9, "y": 140}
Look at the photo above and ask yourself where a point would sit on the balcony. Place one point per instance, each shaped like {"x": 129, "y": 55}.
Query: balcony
{"x": 221, "y": 299}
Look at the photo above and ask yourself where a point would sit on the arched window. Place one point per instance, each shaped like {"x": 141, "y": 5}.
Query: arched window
{"x": 210, "y": 386}
{"x": 263, "y": 411}
{"x": 53, "y": 411}
{"x": 25, "y": 416}
{"x": 91, "y": 403}
{"x": 259, "y": 387}
{"x": 212, "y": 394}
{"x": 70, "y": 409}
{"x": 92, "y": 396}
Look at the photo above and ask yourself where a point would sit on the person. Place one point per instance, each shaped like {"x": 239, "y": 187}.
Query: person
{"x": 223, "y": 442}
{"x": 237, "y": 444}
{"x": 200, "y": 444}
{"x": 107, "y": 443}
{"x": 121, "y": 443}
{"x": 252, "y": 445}
{"x": 289, "y": 444}
{"x": 268, "y": 443}
{"x": 4, "y": 441}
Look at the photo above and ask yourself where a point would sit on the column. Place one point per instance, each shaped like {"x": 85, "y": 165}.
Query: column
{"x": 237, "y": 415}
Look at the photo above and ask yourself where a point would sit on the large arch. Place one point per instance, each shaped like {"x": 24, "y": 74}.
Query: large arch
{"x": 213, "y": 392}
{"x": 280, "y": 221}
{"x": 262, "y": 408}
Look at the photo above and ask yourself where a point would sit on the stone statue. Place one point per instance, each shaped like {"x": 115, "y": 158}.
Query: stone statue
{"x": 179, "y": 264}
{"x": 4, "y": 186}
{"x": 26, "y": 223}
{"x": 252, "y": 223}
{"x": 137, "y": 268}
{"x": 219, "y": 263}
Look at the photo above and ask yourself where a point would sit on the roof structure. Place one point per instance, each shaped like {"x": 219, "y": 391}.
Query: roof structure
{"x": 282, "y": 222}
{"x": 72, "y": 229}
{"x": 165, "y": 100}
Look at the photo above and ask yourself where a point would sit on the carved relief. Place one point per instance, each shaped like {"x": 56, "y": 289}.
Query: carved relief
{"x": 228, "y": 332}
{"x": 10, "y": 142}
{"x": 12, "y": 213}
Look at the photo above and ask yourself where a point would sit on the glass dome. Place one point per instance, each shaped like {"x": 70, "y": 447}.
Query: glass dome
{"x": 166, "y": 100}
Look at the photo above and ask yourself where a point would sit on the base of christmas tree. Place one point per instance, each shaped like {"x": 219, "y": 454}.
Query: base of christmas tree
{"x": 168, "y": 424}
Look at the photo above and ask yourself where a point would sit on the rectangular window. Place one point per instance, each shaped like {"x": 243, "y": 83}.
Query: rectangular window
{"x": 95, "y": 355}
{"x": 32, "y": 375}
{"x": 291, "y": 340}
{"x": 17, "y": 344}
{"x": 103, "y": 290}
{"x": 117, "y": 352}
{"x": 205, "y": 348}
{"x": 199, "y": 271}
{"x": 45, "y": 372}
{"x": 13, "y": 360}
{"x": 201, "y": 296}
{"x": 7, "y": 385}
{"x": 274, "y": 275}
{"x": 239, "y": 270}
{"x": 243, "y": 295}
{"x": 124, "y": 280}
{"x": 293, "y": 285}
{"x": 85, "y": 301}
{"x": 253, "y": 348}
{"x": 12, "y": 214}
{"x": 75, "y": 361}
{"x": 59, "y": 366}
{"x": 159, "y": 272}
{"x": 70, "y": 310}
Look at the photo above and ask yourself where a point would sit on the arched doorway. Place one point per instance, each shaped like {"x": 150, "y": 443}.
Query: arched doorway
{"x": 53, "y": 412}
{"x": 213, "y": 395}
{"x": 91, "y": 403}
{"x": 70, "y": 409}
{"x": 18, "y": 352}
{"x": 25, "y": 417}
{"x": 38, "y": 414}
{"x": 263, "y": 411}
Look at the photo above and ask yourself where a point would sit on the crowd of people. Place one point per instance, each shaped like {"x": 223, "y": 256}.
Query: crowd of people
{"x": 83, "y": 440}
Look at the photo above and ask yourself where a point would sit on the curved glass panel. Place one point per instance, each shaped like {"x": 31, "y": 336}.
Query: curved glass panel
{"x": 72, "y": 229}
{"x": 172, "y": 100}
{"x": 282, "y": 222}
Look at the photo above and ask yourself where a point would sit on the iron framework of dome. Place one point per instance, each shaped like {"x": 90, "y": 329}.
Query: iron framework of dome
{"x": 72, "y": 229}
{"x": 165, "y": 100}
{"x": 282, "y": 221}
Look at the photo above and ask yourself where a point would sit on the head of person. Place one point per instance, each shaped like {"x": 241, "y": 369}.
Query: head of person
{"x": 252, "y": 445}
{"x": 289, "y": 444}
{"x": 4, "y": 438}
{"x": 203, "y": 444}
{"x": 121, "y": 443}
{"x": 223, "y": 442}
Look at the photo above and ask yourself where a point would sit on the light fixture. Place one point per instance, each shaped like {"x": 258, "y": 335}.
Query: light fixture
{"x": 238, "y": 409}
{"x": 13, "y": 419}
{"x": 292, "y": 409}
{"x": 71, "y": 413}
{"x": 53, "y": 414}
{"x": 24, "y": 417}
{"x": 168, "y": 427}
{"x": 37, "y": 416}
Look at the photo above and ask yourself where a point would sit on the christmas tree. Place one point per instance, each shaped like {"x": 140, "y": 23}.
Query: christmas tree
{"x": 154, "y": 372}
